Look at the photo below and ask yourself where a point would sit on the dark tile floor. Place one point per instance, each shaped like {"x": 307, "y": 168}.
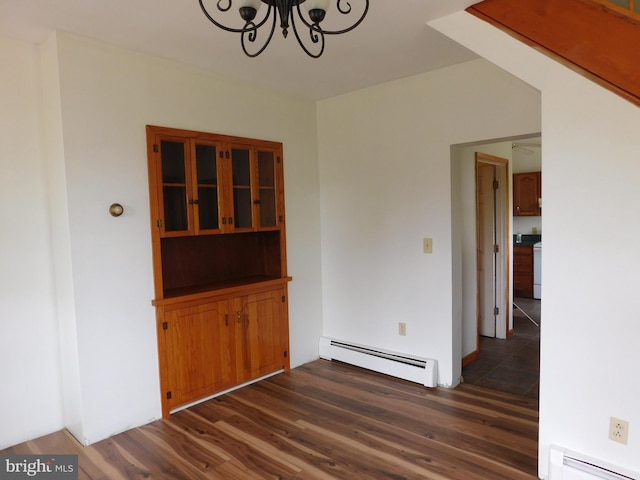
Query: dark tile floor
{"x": 511, "y": 365}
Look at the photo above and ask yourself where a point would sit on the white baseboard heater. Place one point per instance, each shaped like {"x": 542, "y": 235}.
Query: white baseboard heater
{"x": 407, "y": 367}
{"x": 566, "y": 465}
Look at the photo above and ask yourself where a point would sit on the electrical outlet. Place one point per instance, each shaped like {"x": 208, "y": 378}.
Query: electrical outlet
{"x": 402, "y": 329}
{"x": 618, "y": 430}
{"x": 427, "y": 245}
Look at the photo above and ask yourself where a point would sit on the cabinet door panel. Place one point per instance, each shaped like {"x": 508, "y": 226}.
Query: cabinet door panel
{"x": 241, "y": 178}
{"x": 267, "y": 188}
{"x": 197, "y": 349}
{"x": 259, "y": 346}
{"x": 174, "y": 178}
{"x": 207, "y": 186}
{"x": 526, "y": 194}
{"x": 242, "y": 207}
{"x": 523, "y": 271}
{"x": 173, "y": 162}
{"x": 175, "y": 208}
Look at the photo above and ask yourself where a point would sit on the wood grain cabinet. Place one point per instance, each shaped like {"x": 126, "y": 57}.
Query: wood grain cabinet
{"x": 210, "y": 345}
{"x": 214, "y": 183}
{"x": 523, "y": 271}
{"x": 527, "y": 191}
{"x": 219, "y": 256}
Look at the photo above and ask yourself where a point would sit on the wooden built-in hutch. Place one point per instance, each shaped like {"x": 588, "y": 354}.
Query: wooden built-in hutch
{"x": 219, "y": 258}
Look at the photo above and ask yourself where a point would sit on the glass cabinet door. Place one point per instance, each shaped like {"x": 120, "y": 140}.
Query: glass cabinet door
{"x": 241, "y": 180}
{"x": 174, "y": 185}
{"x": 267, "y": 188}
{"x": 206, "y": 185}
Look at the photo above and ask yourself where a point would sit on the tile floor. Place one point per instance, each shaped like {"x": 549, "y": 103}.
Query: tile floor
{"x": 511, "y": 365}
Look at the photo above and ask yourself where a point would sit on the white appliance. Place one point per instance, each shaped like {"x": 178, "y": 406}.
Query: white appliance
{"x": 537, "y": 270}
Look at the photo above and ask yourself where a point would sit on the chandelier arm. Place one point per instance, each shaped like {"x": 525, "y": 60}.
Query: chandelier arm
{"x": 346, "y": 10}
{"x": 343, "y": 11}
{"x": 317, "y": 37}
{"x": 252, "y": 35}
{"x": 244, "y": 29}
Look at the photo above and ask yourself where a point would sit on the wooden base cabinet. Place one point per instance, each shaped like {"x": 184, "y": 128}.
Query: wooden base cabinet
{"x": 211, "y": 344}
{"x": 523, "y": 271}
{"x": 195, "y": 343}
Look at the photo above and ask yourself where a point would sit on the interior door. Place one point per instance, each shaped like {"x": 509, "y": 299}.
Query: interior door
{"x": 486, "y": 248}
{"x": 492, "y": 245}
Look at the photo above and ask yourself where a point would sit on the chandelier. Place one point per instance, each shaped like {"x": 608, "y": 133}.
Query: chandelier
{"x": 311, "y": 34}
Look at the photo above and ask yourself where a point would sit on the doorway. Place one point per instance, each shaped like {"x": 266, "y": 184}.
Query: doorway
{"x": 505, "y": 365}
{"x": 492, "y": 246}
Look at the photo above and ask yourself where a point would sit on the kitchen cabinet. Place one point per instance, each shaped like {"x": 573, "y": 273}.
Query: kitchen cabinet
{"x": 219, "y": 261}
{"x": 527, "y": 192}
{"x": 523, "y": 271}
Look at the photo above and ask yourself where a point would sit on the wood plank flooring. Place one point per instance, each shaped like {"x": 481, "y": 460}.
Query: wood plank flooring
{"x": 323, "y": 420}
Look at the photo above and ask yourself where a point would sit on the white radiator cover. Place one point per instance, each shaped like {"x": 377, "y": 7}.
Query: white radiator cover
{"x": 567, "y": 465}
{"x": 408, "y": 367}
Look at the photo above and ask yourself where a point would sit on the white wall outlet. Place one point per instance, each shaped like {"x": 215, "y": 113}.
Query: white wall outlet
{"x": 427, "y": 245}
{"x": 402, "y": 329}
{"x": 618, "y": 430}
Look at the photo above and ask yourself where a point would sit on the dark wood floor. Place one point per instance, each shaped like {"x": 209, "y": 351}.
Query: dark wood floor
{"x": 511, "y": 365}
{"x": 323, "y": 420}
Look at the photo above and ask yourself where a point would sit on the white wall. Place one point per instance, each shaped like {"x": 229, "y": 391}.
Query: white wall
{"x": 97, "y": 155}
{"x": 385, "y": 174}
{"x": 30, "y": 403}
{"x": 590, "y": 325}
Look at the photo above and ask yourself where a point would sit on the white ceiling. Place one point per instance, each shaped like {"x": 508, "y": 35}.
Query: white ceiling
{"x": 392, "y": 42}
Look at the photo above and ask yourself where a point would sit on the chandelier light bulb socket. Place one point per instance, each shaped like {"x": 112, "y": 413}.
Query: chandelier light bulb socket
{"x": 316, "y": 15}
{"x": 248, "y": 13}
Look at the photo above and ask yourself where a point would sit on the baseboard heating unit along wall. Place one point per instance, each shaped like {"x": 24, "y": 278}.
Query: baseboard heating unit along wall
{"x": 407, "y": 367}
{"x": 566, "y": 465}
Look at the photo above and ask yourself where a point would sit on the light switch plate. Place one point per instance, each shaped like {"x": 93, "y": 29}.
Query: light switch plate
{"x": 427, "y": 245}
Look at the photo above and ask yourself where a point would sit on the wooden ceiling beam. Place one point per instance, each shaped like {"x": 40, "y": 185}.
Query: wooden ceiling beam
{"x": 600, "y": 42}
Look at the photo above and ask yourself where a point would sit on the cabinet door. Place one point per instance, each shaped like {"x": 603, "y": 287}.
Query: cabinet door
{"x": 197, "y": 347}
{"x": 207, "y": 190}
{"x": 173, "y": 177}
{"x": 260, "y": 345}
{"x": 523, "y": 271}
{"x": 526, "y": 194}
{"x": 257, "y": 195}
{"x": 269, "y": 192}
{"x": 241, "y": 161}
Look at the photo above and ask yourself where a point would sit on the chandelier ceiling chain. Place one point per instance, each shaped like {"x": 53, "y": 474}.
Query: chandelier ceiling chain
{"x": 284, "y": 10}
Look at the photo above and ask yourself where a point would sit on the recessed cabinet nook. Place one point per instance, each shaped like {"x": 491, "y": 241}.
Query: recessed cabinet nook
{"x": 219, "y": 258}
